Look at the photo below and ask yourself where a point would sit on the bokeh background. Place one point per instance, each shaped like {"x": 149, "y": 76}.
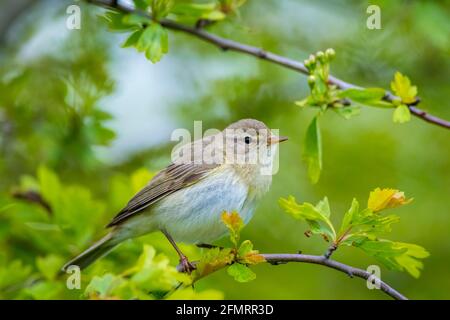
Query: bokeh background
{"x": 99, "y": 117}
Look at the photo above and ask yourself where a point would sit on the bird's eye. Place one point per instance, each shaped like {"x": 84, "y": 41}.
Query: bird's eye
{"x": 247, "y": 140}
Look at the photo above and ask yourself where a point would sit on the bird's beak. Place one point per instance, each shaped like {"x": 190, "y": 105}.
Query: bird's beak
{"x": 276, "y": 139}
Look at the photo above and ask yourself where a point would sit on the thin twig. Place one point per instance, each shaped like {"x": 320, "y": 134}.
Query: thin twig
{"x": 230, "y": 45}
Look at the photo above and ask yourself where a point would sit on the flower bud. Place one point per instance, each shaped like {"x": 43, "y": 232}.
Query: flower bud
{"x": 330, "y": 54}
{"x": 320, "y": 56}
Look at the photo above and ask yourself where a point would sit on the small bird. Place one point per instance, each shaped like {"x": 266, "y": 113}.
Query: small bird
{"x": 185, "y": 200}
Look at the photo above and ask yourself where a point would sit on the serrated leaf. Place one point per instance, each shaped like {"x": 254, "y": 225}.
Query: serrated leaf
{"x": 396, "y": 255}
{"x": 214, "y": 259}
{"x": 381, "y": 199}
{"x": 402, "y": 87}
{"x": 154, "y": 42}
{"x": 234, "y": 223}
{"x": 319, "y": 222}
{"x": 312, "y": 150}
{"x": 247, "y": 255}
{"x": 401, "y": 114}
{"x": 241, "y": 273}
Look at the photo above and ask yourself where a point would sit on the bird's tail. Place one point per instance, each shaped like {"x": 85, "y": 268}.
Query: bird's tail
{"x": 96, "y": 251}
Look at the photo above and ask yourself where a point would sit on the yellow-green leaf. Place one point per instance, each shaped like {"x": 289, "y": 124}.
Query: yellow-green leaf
{"x": 241, "y": 273}
{"x": 316, "y": 216}
{"x": 312, "y": 150}
{"x": 401, "y": 114}
{"x": 234, "y": 223}
{"x": 402, "y": 87}
{"x": 380, "y": 199}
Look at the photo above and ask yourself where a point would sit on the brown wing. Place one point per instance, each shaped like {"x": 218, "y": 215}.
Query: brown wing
{"x": 167, "y": 181}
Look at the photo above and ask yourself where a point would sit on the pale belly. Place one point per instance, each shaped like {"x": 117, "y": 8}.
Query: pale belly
{"x": 193, "y": 215}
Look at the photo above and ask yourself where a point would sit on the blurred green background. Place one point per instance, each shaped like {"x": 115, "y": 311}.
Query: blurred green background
{"x": 75, "y": 103}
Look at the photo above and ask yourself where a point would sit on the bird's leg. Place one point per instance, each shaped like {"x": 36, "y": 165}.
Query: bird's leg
{"x": 184, "y": 262}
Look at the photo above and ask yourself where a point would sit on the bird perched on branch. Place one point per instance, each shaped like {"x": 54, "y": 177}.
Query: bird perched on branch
{"x": 228, "y": 171}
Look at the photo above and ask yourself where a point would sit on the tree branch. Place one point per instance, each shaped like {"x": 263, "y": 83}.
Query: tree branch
{"x": 226, "y": 44}
{"x": 279, "y": 258}
{"x": 283, "y": 258}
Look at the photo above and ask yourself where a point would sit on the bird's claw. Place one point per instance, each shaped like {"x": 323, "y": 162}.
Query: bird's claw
{"x": 186, "y": 266}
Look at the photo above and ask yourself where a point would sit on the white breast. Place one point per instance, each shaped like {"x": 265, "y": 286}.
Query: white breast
{"x": 193, "y": 214}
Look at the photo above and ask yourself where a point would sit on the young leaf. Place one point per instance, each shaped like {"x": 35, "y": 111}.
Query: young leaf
{"x": 234, "y": 224}
{"x": 363, "y": 96}
{"x": 396, "y": 255}
{"x": 312, "y": 150}
{"x": 317, "y": 217}
{"x": 401, "y": 114}
{"x": 197, "y": 11}
{"x": 154, "y": 42}
{"x": 214, "y": 259}
{"x": 247, "y": 255}
{"x": 349, "y": 217}
{"x": 241, "y": 273}
{"x": 101, "y": 287}
{"x": 161, "y": 8}
{"x": 381, "y": 199}
{"x": 133, "y": 39}
{"x": 402, "y": 87}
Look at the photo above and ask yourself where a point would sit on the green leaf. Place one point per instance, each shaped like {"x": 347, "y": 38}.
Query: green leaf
{"x": 315, "y": 216}
{"x": 134, "y": 19}
{"x": 214, "y": 259}
{"x": 115, "y": 21}
{"x": 154, "y": 42}
{"x": 363, "y": 95}
{"x": 312, "y": 150}
{"x": 142, "y": 4}
{"x": 401, "y": 114}
{"x": 241, "y": 273}
{"x": 396, "y": 255}
{"x": 161, "y": 8}
{"x": 402, "y": 87}
{"x": 49, "y": 266}
{"x": 323, "y": 206}
{"x": 196, "y": 11}
{"x": 133, "y": 39}
{"x": 101, "y": 287}
{"x": 50, "y": 187}
{"x": 349, "y": 217}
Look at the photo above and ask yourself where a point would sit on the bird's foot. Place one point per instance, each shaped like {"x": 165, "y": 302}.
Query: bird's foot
{"x": 186, "y": 266}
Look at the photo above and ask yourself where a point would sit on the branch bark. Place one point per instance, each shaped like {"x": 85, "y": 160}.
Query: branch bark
{"x": 227, "y": 44}
{"x": 279, "y": 258}
{"x": 282, "y": 258}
